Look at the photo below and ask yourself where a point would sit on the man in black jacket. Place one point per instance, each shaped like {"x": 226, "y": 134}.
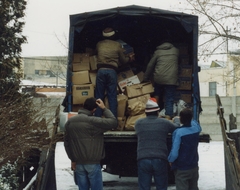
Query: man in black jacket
{"x": 84, "y": 143}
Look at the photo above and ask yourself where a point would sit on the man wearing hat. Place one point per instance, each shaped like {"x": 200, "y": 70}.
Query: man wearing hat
{"x": 152, "y": 152}
{"x": 109, "y": 55}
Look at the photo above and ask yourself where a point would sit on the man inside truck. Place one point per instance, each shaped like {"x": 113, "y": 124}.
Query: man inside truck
{"x": 110, "y": 55}
{"x": 163, "y": 66}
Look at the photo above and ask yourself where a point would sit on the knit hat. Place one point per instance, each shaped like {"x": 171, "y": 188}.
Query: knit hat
{"x": 152, "y": 105}
{"x": 108, "y": 32}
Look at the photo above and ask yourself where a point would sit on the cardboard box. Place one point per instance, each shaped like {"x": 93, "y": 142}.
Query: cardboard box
{"x": 185, "y": 83}
{"x": 185, "y": 72}
{"x": 186, "y": 98}
{"x": 128, "y": 82}
{"x": 125, "y": 73}
{"x": 131, "y": 120}
{"x": 122, "y": 104}
{"x": 82, "y": 92}
{"x": 93, "y": 62}
{"x": 80, "y": 77}
{"x": 121, "y": 123}
{"x": 136, "y": 90}
{"x": 80, "y": 62}
{"x": 93, "y": 76}
{"x": 137, "y": 105}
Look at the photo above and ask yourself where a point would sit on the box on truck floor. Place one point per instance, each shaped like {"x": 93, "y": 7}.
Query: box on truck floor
{"x": 82, "y": 92}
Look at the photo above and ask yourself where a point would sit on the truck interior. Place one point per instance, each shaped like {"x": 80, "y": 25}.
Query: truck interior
{"x": 143, "y": 29}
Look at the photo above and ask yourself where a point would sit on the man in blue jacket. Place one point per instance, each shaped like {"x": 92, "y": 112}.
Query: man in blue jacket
{"x": 183, "y": 157}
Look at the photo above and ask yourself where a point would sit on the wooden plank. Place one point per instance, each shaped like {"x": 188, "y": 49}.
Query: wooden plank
{"x": 50, "y": 89}
{"x": 232, "y": 165}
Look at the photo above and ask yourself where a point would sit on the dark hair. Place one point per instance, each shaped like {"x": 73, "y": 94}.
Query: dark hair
{"x": 186, "y": 116}
{"x": 90, "y": 104}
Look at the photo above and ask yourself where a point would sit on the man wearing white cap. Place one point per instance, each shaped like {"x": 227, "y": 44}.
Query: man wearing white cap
{"x": 109, "y": 55}
{"x": 152, "y": 152}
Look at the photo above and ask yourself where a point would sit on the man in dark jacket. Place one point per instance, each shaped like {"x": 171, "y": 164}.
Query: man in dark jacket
{"x": 183, "y": 157}
{"x": 152, "y": 151}
{"x": 84, "y": 143}
{"x": 163, "y": 66}
{"x": 110, "y": 55}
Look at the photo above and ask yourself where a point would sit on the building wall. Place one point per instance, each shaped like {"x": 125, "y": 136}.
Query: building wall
{"x": 224, "y": 78}
{"x": 50, "y": 70}
{"x": 212, "y": 75}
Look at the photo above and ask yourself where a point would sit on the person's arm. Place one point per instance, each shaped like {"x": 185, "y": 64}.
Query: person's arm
{"x": 107, "y": 122}
{"x": 123, "y": 58}
{"x": 196, "y": 125}
{"x": 67, "y": 142}
{"x": 176, "y": 141}
{"x": 150, "y": 68}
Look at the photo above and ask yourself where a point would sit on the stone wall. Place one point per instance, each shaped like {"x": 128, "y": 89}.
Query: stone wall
{"x": 209, "y": 119}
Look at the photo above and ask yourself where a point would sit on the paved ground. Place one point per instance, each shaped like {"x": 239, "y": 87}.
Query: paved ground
{"x": 211, "y": 171}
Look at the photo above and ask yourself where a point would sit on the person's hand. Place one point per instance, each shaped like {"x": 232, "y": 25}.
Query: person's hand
{"x": 100, "y": 103}
{"x": 131, "y": 57}
{"x": 176, "y": 119}
{"x": 73, "y": 166}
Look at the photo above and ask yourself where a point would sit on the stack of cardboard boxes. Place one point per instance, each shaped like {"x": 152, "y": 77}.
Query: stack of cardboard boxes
{"x": 185, "y": 75}
{"x": 131, "y": 98}
{"x": 82, "y": 79}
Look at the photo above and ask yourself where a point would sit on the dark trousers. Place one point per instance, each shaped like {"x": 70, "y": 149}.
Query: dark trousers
{"x": 187, "y": 179}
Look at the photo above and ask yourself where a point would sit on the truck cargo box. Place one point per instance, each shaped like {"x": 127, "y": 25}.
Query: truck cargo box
{"x": 139, "y": 29}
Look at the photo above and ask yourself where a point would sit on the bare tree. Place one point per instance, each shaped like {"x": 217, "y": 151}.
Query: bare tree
{"x": 219, "y": 21}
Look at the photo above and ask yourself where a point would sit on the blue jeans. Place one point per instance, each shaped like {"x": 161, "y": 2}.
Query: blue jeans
{"x": 156, "y": 168}
{"x": 106, "y": 80}
{"x": 89, "y": 176}
{"x": 169, "y": 92}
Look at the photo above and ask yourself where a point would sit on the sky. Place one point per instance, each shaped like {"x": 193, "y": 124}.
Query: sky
{"x": 47, "y": 21}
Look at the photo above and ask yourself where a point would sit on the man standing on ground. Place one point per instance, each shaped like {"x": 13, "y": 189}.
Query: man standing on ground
{"x": 183, "y": 157}
{"x": 163, "y": 66}
{"x": 84, "y": 143}
{"x": 152, "y": 152}
{"x": 109, "y": 55}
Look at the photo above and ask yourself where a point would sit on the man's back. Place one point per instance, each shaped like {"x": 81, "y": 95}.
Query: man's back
{"x": 110, "y": 52}
{"x": 84, "y": 136}
{"x": 152, "y": 133}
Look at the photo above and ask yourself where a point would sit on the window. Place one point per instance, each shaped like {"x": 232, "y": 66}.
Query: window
{"x": 212, "y": 88}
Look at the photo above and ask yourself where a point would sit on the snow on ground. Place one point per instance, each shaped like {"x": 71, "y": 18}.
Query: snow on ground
{"x": 211, "y": 168}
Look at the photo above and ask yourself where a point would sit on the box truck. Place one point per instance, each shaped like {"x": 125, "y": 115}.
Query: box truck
{"x": 139, "y": 29}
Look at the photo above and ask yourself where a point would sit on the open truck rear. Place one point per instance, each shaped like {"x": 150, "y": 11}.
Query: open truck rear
{"x": 142, "y": 28}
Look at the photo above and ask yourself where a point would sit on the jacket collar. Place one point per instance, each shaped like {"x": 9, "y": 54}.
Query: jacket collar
{"x": 85, "y": 111}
